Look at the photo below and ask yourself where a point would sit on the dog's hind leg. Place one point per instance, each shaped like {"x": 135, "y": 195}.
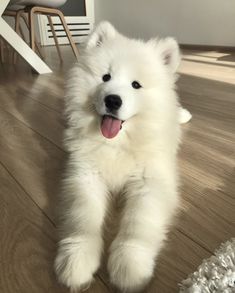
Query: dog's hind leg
{"x": 184, "y": 115}
{"x": 83, "y": 210}
{"x": 143, "y": 228}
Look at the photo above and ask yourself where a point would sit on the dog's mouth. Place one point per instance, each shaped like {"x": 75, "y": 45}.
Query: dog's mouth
{"x": 110, "y": 126}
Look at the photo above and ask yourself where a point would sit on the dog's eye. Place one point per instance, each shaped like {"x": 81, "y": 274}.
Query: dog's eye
{"x": 106, "y": 77}
{"x": 136, "y": 85}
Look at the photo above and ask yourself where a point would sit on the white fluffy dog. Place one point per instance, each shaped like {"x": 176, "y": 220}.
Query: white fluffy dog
{"x": 122, "y": 137}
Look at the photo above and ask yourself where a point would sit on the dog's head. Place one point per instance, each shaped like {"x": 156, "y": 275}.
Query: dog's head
{"x": 132, "y": 76}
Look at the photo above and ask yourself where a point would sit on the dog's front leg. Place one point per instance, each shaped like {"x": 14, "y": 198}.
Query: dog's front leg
{"x": 83, "y": 210}
{"x": 143, "y": 228}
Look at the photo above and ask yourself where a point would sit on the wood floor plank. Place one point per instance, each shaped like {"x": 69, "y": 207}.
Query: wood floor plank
{"x": 207, "y": 161}
{"x": 49, "y": 90}
{"x": 34, "y": 161}
{"x": 45, "y": 89}
{"x": 206, "y": 88}
{"x": 223, "y": 59}
{"x": 208, "y": 70}
{"x": 28, "y": 244}
{"x": 32, "y": 113}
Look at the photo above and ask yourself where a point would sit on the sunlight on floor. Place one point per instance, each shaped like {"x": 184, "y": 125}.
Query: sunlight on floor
{"x": 204, "y": 63}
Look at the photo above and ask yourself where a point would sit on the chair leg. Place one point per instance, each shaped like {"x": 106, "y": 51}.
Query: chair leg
{"x": 50, "y": 11}
{"x": 17, "y": 30}
{"x": 22, "y": 33}
{"x": 2, "y": 49}
{"x": 31, "y": 29}
{"x": 72, "y": 44}
{"x": 55, "y": 37}
{"x": 17, "y": 21}
{"x": 39, "y": 49}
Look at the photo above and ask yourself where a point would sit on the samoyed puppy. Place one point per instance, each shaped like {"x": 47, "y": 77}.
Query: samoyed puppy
{"x": 122, "y": 138}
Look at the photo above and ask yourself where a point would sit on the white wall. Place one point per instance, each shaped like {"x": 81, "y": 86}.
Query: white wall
{"x": 202, "y": 22}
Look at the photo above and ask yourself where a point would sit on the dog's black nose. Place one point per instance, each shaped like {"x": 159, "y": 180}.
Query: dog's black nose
{"x": 113, "y": 102}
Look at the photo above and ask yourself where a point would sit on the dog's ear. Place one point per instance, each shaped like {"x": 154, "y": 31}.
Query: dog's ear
{"x": 103, "y": 32}
{"x": 169, "y": 52}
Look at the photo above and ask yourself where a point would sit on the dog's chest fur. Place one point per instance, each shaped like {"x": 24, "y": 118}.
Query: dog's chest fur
{"x": 118, "y": 163}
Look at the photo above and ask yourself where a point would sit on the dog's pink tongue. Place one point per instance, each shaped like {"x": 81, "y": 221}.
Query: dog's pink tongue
{"x": 110, "y": 126}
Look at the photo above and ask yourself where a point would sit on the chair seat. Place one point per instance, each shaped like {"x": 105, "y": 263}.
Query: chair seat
{"x": 14, "y": 7}
{"x": 46, "y": 3}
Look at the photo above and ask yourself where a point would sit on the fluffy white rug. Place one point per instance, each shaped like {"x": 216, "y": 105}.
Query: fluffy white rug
{"x": 216, "y": 274}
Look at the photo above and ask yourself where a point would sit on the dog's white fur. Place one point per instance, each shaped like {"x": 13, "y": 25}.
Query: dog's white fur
{"x": 139, "y": 163}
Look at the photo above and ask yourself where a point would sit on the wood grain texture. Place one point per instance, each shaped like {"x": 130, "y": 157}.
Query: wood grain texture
{"x": 27, "y": 243}
{"x": 214, "y": 66}
{"x": 33, "y": 161}
{"x": 32, "y": 157}
{"x": 35, "y": 115}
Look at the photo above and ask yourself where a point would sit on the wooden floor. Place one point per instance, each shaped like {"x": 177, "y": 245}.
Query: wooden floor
{"x": 32, "y": 157}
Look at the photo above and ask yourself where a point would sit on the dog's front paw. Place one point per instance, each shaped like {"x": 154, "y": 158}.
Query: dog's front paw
{"x": 130, "y": 266}
{"x": 76, "y": 262}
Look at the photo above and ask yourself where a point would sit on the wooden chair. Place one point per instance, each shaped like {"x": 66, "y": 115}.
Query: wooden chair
{"x": 41, "y": 7}
{"x": 17, "y": 15}
{"x": 49, "y": 12}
